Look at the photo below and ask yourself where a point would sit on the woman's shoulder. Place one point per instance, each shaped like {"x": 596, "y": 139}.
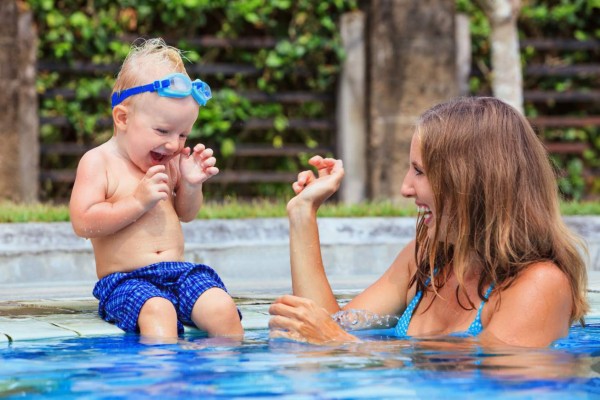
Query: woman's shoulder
{"x": 536, "y": 282}
{"x": 534, "y": 309}
{"x": 540, "y": 285}
{"x": 542, "y": 272}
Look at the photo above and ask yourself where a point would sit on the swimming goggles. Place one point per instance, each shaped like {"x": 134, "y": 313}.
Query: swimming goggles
{"x": 176, "y": 86}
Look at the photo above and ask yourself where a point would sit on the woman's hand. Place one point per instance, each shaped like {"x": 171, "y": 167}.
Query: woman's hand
{"x": 303, "y": 320}
{"x": 315, "y": 190}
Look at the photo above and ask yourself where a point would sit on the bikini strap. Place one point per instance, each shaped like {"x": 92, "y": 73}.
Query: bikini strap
{"x": 402, "y": 325}
{"x": 476, "y": 326}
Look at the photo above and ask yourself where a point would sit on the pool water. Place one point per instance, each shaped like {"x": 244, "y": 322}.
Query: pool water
{"x": 123, "y": 366}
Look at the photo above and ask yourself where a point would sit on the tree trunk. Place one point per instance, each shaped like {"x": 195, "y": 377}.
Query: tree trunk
{"x": 507, "y": 77}
{"x": 19, "y": 152}
{"x": 412, "y": 67}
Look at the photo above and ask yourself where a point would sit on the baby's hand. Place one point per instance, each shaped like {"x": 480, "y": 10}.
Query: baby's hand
{"x": 153, "y": 187}
{"x": 197, "y": 166}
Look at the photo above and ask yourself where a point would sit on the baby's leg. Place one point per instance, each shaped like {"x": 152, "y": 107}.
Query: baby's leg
{"x": 216, "y": 313}
{"x": 158, "y": 318}
{"x": 138, "y": 304}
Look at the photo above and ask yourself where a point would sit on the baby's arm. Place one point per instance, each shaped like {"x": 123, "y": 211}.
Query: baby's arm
{"x": 195, "y": 167}
{"x": 93, "y": 216}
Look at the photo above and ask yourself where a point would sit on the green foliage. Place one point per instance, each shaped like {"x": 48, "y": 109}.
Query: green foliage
{"x": 572, "y": 183}
{"x": 305, "y": 57}
{"x": 554, "y": 20}
{"x": 573, "y": 20}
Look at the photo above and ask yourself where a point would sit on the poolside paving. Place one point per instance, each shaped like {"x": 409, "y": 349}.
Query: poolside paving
{"x": 74, "y": 317}
{"x": 63, "y": 310}
{"x": 35, "y": 316}
{"x": 30, "y": 312}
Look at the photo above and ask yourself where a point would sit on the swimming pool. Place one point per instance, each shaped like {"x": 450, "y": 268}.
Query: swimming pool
{"x": 122, "y": 366}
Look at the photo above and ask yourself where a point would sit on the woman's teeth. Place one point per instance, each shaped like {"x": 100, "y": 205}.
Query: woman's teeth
{"x": 423, "y": 210}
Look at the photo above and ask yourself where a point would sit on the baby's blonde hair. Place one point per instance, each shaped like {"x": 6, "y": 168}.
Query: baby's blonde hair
{"x": 145, "y": 60}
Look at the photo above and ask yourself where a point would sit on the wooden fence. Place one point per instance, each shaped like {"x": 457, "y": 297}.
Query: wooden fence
{"x": 580, "y": 99}
{"x": 579, "y": 105}
{"x": 62, "y": 178}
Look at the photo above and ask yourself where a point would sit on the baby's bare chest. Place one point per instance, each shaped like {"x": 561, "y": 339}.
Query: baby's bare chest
{"x": 124, "y": 180}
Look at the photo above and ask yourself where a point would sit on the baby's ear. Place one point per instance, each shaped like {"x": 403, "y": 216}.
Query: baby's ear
{"x": 119, "y": 114}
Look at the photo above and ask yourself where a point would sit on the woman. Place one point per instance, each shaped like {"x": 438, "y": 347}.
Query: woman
{"x": 492, "y": 257}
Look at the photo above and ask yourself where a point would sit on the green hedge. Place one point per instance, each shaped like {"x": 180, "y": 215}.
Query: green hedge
{"x": 552, "y": 19}
{"x": 305, "y": 57}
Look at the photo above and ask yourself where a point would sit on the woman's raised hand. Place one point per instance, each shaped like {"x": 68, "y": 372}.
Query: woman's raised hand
{"x": 308, "y": 275}
{"x": 317, "y": 189}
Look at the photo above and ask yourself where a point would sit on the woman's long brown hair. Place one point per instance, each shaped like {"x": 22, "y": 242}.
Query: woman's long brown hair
{"x": 495, "y": 189}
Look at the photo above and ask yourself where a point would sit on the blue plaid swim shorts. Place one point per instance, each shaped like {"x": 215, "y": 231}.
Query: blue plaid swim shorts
{"x": 122, "y": 294}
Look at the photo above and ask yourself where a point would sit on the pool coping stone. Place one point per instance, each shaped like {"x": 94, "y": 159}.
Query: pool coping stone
{"x": 33, "y": 312}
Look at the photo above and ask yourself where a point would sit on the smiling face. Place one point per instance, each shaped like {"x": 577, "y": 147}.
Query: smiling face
{"x": 155, "y": 129}
{"x": 150, "y": 129}
{"x": 416, "y": 185}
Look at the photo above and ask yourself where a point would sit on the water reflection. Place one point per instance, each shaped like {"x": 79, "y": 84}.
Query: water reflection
{"x": 202, "y": 367}
{"x": 444, "y": 354}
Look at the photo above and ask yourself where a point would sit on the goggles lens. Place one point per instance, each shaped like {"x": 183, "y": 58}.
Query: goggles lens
{"x": 176, "y": 85}
{"x": 180, "y": 83}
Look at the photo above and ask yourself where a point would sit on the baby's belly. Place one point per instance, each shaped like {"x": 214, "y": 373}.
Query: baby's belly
{"x": 125, "y": 253}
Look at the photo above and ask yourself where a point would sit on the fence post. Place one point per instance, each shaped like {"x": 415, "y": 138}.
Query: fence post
{"x": 352, "y": 110}
{"x": 412, "y": 66}
{"x": 463, "y": 53}
{"x": 19, "y": 152}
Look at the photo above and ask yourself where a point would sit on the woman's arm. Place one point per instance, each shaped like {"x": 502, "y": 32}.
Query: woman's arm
{"x": 304, "y": 320}
{"x": 308, "y": 273}
{"x": 390, "y": 293}
{"x": 307, "y": 315}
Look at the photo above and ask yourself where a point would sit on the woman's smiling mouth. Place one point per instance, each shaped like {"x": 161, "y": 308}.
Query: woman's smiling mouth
{"x": 426, "y": 212}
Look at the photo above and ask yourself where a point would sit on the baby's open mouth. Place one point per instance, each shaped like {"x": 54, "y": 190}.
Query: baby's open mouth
{"x": 158, "y": 157}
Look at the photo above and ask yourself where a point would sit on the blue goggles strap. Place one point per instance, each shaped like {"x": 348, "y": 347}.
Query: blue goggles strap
{"x": 200, "y": 91}
{"x": 118, "y": 97}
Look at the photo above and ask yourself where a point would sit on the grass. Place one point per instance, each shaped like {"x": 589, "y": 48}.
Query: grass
{"x": 38, "y": 212}
{"x": 237, "y": 209}
{"x": 276, "y": 208}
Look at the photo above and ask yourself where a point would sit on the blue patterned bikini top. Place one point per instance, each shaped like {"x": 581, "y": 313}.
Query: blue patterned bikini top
{"x": 474, "y": 329}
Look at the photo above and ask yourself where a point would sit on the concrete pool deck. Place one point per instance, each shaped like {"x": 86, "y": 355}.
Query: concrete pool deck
{"x": 47, "y": 273}
{"x": 29, "y": 312}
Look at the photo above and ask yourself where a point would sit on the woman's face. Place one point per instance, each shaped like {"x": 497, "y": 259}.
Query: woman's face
{"x": 416, "y": 185}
